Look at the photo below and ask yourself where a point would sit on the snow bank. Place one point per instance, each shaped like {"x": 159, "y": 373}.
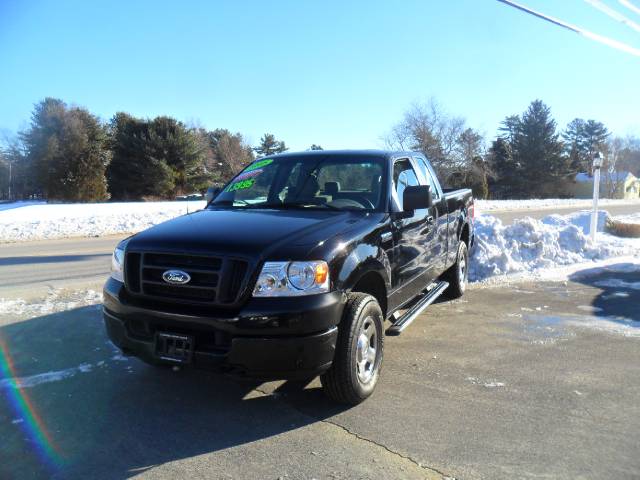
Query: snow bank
{"x": 633, "y": 218}
{"x": 538, "y": 204}
{"x": 48, "y": 221}
{"x": 21, "y": 221}
{"x": 530, "y": 246}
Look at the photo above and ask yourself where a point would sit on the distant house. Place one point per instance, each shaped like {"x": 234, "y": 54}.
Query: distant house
{"x": 622, "y": 185}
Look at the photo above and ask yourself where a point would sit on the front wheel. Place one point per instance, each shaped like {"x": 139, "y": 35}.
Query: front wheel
{"x": 356, "y": 366}
{"x": 458, "y": 274}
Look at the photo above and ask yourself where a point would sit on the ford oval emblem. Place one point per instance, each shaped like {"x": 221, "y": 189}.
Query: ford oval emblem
{"x": 176, "y": 277}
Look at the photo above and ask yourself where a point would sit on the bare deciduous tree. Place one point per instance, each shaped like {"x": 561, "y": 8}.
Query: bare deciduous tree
{"x": 622, "y": 155}
{"x": 428, "y": 128}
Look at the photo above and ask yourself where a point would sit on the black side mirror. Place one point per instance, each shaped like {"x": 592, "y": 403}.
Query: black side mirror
{"x": 416, "y": 198}
{"x": 212, "y": 192}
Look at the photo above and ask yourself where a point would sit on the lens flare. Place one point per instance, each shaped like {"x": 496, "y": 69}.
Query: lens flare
{"x": 32, "y": 424}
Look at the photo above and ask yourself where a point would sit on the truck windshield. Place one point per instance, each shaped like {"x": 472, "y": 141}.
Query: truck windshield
{"x": 324, "y": 182}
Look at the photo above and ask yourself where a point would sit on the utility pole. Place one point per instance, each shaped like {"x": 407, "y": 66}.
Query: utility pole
{"x": 597, "y": 164}
{"x": 10, "y": 178}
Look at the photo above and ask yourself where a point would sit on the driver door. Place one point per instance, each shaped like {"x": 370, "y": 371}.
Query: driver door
{"x": 412, "y": 269}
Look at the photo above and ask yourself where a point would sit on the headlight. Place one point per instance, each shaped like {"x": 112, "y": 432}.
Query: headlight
{"x": 290, "y": 279}
{"x": 117, "y": 260}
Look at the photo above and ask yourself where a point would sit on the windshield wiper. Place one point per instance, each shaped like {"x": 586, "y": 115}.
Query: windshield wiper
{"x": 285, "y": 205}
{"x": 276, "y": 205}
{"x": 311, "y": 205}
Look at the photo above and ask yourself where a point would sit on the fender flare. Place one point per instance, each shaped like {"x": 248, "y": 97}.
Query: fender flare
{"x": 360, "y": 261}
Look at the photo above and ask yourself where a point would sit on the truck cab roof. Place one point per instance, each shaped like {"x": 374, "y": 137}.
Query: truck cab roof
{"x": 348, "y": 153}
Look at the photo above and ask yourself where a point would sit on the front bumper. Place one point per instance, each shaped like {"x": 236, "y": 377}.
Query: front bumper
{"x": 268, "y": 338}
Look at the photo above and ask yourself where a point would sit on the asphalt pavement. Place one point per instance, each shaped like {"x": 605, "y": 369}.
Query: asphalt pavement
{"x": 30, "y": 269}
{"x": 518, "y": 382}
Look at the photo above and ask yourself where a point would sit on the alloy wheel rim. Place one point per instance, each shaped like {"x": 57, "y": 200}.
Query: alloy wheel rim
{"x": 366, "y": 351}
{"x": 462, "y": 269}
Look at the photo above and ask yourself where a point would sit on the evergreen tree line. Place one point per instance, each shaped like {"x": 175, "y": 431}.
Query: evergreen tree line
{"x": 529, "y": 158}
{"x": 68, "y": 154}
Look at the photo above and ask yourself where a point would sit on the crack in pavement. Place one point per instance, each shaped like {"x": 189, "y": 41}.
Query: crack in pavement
{"x": 398, "y": 454}
{"x": 427, "y": 468}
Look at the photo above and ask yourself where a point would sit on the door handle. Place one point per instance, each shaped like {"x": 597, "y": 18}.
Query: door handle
{"x": 430, "y": 220}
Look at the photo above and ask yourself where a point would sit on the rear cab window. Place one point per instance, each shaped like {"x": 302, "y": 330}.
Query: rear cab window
{"x": 429, "y": 177}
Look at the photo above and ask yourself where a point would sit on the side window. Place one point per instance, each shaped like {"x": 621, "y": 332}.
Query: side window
{"x": 403, "y": 176}
{"x": 426, "y": 173}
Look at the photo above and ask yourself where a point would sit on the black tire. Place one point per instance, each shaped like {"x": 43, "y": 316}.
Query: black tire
{"x": 349, "y": 381}
{"x": 458, "y": 273}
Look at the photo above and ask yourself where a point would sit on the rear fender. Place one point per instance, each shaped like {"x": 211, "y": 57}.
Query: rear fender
{"x": 461, "y": 221}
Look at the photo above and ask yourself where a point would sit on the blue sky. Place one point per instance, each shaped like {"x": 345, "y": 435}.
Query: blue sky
{"x": 335, "y": 73}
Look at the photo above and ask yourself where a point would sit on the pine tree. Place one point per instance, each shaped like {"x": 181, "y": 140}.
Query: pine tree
{"x": 134, "y": 172}
{"x": 594, "y": 139}
{"x": 510, "y": 127}
{"x": 67, "y": 149}
{"x": 270, "y": 146}
{"x": 505, "y": 172}
{"x": 170, "y": 141}
{"x": 582, "y": 140}
{"x": 573, "y": 138}
{"x": 537, "y": 150}
{"x": 155, "y": 158}
{"x": 89, "y": 157}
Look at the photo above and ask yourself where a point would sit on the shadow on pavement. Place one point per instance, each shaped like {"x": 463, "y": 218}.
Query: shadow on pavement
{"x": 49, "y": 259}
{"x": 620, "y": 285}
{"x": 99, "y": 415}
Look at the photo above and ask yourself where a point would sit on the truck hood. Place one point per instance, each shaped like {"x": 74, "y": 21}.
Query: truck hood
{"x": 248, "y": 233}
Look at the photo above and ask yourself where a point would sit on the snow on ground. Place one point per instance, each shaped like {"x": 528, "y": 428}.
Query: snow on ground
{"x": 59, "y": 301}
{"x": 22, "y": 203}
{"x": 22, "y": 221}
{"x": 56, "y": 301}
{"x": 550, "y": 248}
{"x": 633, "y": 218}
{"x": 547, "y": 248}
{"x": 47, "y": 377}
{"x": 48, "y": 221}
{"x": 554, "y": 325}
{"x": 550, "y": 203}
{"x": 618, "y": 326}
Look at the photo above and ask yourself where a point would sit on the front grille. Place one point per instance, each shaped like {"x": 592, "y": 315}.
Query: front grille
{"x": 215, "y": 280}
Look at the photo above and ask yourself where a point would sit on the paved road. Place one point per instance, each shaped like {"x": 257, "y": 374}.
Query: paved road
{"x": 31, "y": 269}
{"x": 515, "y": 382}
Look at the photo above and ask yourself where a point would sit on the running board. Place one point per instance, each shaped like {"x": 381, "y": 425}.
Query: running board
{"x": 410, "y": 315}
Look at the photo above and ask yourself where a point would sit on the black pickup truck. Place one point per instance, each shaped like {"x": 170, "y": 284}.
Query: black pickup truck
{"x": 293, "y": 268}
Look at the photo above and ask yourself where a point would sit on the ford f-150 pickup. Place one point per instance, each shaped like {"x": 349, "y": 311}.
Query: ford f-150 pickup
{"x": 293, "y": 268}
